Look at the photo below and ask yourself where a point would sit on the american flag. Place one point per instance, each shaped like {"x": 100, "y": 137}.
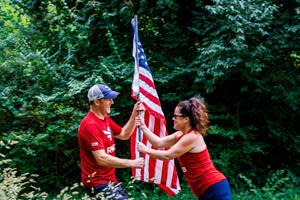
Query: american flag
{"x": 155, "y": 171}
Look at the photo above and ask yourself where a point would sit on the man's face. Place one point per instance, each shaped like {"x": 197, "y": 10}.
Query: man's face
{"x": 104, "y": 105}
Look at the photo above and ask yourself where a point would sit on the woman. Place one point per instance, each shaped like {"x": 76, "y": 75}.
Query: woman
{"x": 188, "y": 146}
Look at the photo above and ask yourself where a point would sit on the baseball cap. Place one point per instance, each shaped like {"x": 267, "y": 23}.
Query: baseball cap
{"x": 99, "y": 91}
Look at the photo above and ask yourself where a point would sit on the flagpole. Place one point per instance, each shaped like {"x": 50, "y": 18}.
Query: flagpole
{"x": 137, "y": 64}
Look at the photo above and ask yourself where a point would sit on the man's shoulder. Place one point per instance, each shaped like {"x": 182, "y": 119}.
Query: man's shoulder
{"x": 87, "y": 120}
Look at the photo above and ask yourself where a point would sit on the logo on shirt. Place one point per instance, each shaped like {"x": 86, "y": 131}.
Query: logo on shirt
{"x": 94, "y": 144}
{"x": 108, "y": 133}
{"x": 111, "y": 149}
{"x": 184, "y": 169}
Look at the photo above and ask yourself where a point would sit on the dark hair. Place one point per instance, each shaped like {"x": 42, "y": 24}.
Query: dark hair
{"x": 197, "y": 112}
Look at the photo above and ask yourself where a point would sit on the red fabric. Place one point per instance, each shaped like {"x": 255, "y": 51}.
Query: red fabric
{"x": 199, "y": 171}
{"x": 95, "y": 134}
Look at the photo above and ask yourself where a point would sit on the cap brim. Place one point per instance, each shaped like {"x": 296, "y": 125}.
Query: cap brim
{"x": 111, "y": 95}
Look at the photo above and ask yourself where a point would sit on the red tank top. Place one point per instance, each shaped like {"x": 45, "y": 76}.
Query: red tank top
{"x": 199, "y": 171}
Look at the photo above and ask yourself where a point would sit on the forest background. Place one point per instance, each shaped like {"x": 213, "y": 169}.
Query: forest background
{"x": 241, "y": 56}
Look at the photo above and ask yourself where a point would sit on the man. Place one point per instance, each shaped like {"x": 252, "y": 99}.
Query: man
{"x": 97, "y": 146}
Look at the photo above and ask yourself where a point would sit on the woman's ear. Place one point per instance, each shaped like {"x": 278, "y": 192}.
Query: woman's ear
{"x": 186, "y": 119}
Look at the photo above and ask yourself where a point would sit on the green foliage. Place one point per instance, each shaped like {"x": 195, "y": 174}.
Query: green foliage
{"x": 281, "y": 184}
{"x": 245, "y": 64}
{"x": 13, "y": 185}
{"x": 139, "y": 190}
{"x": 232, "y": 157}
{"x": 235, "y": 39}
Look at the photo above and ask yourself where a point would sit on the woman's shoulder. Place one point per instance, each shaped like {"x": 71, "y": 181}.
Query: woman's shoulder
{"x": 191, "y": 136}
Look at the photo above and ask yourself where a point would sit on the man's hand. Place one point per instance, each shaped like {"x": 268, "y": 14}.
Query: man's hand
{"x": 138, "y": 107}
{"x": 137, "y": 163}
{"x": 128, "y": 128}
{"x": 139, "y": 121}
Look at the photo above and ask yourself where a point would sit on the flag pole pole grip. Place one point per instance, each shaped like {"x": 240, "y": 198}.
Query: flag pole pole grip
{"x": 139, "y": 134}
{"x": 138, "y": 96}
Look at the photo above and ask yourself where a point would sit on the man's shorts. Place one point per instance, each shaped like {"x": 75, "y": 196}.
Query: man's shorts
{"x": 107, "y": 191}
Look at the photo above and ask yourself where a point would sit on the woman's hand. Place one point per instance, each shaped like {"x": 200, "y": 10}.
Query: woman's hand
{"x": 141, "y": 147}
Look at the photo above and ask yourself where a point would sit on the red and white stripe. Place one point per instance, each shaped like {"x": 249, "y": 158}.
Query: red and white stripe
{"x": 155, "y": 171}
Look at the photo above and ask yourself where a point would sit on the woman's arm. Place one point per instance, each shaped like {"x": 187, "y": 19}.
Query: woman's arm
{"x": 166, "y": 141}
{"x": 185, "y": 144}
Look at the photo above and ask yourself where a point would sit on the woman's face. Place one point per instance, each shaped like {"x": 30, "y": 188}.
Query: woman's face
{"x": 179, "y": 120}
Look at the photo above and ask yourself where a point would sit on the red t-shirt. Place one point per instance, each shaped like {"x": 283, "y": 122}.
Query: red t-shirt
{"x": 199, "y": 171}
{"x": 95, "y": 134}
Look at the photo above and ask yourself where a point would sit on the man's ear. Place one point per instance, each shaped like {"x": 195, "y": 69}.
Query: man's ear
{"x": 97, "y": 102}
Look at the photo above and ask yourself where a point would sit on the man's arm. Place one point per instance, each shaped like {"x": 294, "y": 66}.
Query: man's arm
{"x": 107, "y": 160}
{"x": 128, "y": 128}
